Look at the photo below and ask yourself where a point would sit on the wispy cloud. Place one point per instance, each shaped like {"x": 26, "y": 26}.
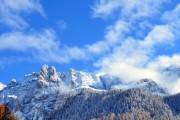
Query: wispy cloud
{"x": 42, "y": 46}
{"x": 172, "y": 15}
{"x": 62, "y": 24}
{"x": 113, "y": 35}
{"x": 127, "y": 9}
{"x": 172, "y": 18}
{"x": 38, "y": 45}
{"x": 134, "y": 55}
{"x": 12, "y": 12}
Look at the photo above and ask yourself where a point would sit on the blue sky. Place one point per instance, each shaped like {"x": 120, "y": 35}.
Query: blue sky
{"x": 131, "y": 39}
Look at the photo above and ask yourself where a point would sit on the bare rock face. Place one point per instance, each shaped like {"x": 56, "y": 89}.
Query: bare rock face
{"x": 48, "y": 74}
{"x": 44, "y": 72}
{"x": 40, "y": 77}
{"x": 45, "y": 68}
{"x": 73, "y": 78}
{"x": 53, "y": 77}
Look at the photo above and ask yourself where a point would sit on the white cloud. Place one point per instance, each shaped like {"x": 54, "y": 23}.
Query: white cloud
{"x": 172, "y": 18}
{"x": 138, "y": 52}
{"x": 42, "y": 46}
{"x": 120, "y": 30}
{"x": 159, "y": 34}
{"x": 131, "y": 60}
{"x": 134, "y": 56}
{"x": 39, "y": 46}
{"x": 19, "y": 41}
{"x": 11, "y": 12}
{"x": 167, "y": 71}
{"x": 98, "y": 47}
{"x": 105, "y": 7}
{"x": 114, "y": 35}
{"x": 175, "y": 88}
{"x": 172, "y": 15}
{"x": 165, "y": 61}
{"x": 126, "y": 8}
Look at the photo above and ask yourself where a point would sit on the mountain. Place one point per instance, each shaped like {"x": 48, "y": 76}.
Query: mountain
{"x": 114, "y": 82}
{"x": 49, "y": 95}
{"x": 2, "y": 86}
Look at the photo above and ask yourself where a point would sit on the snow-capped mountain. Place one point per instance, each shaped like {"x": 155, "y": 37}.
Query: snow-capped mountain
{"x": 41, "y": 93}
{"x": 114, "y": 82}
{"x": 145, "y": 84}
{"x": 2, "y": 86}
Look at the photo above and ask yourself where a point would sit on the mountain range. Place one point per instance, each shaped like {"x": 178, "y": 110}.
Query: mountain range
{"x": 78, "y": 95}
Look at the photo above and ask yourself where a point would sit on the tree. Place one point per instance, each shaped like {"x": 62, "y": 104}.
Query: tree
{"x": 6, "y": 114}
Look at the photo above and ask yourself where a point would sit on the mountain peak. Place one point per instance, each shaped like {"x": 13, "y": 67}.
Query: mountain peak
{"x": 48, "y": 73}
{"x": 145, "y": 80}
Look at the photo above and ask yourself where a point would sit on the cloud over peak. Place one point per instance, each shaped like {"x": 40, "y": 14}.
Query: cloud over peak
{"x": 136, "y": 56}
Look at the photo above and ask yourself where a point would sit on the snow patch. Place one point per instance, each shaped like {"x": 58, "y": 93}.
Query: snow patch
{"x": 12, "y": 96}
{"x": 2, "y": 86}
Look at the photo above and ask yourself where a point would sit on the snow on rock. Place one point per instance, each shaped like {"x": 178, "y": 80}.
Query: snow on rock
{"x": 114, "y": 82}
{"x": 79, "y": 79}
{"x": 2, "y": 86}
{"x": 41, "y": 92}
{"x": 48, "y": 73}
{"x": 36, "y": 96}
{"x": 12, "y": 96}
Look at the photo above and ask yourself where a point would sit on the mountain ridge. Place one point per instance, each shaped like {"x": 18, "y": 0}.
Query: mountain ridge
{"x": 43, "y": 93}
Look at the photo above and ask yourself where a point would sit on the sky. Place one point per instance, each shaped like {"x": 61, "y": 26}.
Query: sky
{"x": 133, "y": 39}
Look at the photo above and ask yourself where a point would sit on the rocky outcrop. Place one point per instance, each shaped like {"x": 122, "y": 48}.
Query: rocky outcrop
{"x": 48, "y": 73}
